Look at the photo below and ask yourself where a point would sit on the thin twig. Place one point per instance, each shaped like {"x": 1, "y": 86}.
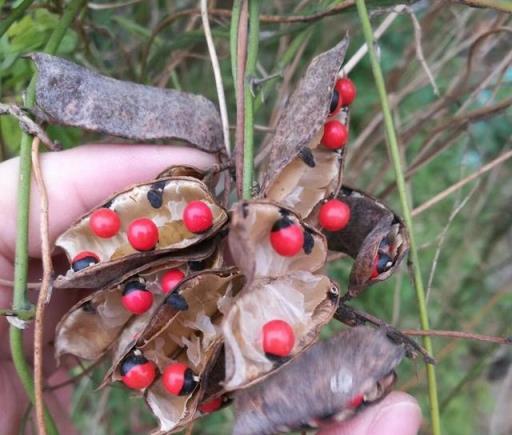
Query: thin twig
{"x": 395, "y": 157}
{"x": 241, "y": 56}
{"x": 30, "y": 285}
{"x": 28, "y": 126}
{"x": 217, "y": 74}
{"x": 45, "y": 292}
{"x": 447, "y": 192}
{"x": 457, "y": 334}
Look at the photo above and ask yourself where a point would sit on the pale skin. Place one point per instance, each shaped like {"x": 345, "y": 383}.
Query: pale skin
{"x": 78, "y": 180}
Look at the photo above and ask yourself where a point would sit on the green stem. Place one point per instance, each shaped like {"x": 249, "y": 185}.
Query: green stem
{"x": 395, "y": 157}
{"x": 15, "y": 15}
{"x": 233, "y": 37}
{"x": 20, "y": 300}
{"x": 250, "y": 73}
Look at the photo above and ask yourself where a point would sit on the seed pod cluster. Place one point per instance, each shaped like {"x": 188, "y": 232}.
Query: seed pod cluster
{"x": 191, "y": 318}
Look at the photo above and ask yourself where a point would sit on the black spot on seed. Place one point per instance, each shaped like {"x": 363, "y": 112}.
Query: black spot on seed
{"x": 176, "y": 301}
{"x": 309, "y": 242}
{"x": 155, "y": 194}
{"x": 334, "y": 101}
{"x": 278, "y": 361}
{"x": 130, "y": 362}
{"x": 84, "y": 263}
{"x": 384, "y": 263}
{"x": 347, "y": 191}
{"x": 306, "y": 155}
{"x": 282, "y": 223}
{"x": 189, "y": 383}
{"x": 134, "y": 285}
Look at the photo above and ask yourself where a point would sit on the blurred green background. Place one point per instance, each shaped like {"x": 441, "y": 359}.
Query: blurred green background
{"x": 443, "y": 139}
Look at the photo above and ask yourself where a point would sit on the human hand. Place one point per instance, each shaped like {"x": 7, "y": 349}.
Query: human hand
{"x": 397, "y": 414}
{"x": 76, "y": 180}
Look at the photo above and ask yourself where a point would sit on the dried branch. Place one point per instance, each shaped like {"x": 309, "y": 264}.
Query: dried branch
{"x": 458, "y": 335}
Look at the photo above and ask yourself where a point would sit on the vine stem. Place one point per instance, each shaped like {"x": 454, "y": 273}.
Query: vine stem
{"x": 20, "y": 299}
{"x": 400, "y": 181}
{"x": 250, "y": 72}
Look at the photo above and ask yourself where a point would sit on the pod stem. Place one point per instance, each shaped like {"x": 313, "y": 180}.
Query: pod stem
{"x": 20, "y": 299}
{"x": 250, "y": 72}
{"x": 395, "y": 158}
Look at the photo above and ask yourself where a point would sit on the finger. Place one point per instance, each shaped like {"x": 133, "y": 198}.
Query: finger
{"x": 81, "y": 178}
{"x": 398, "y": 414}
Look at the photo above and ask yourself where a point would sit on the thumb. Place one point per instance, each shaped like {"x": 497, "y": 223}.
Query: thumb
{"x": 398, "y": 414}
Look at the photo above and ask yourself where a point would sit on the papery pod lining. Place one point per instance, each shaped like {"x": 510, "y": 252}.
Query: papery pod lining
{"x": 326, "y": 378}
{"x": 116, "y": 252}
{"x": 298, "y": 132}
{"x": 72, "y": 95}
{"x": 305, "y": 301}
{"x": 250, "y": 247}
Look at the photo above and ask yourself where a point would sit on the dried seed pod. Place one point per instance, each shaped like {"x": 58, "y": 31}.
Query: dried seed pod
{"x": 333, "y": 379}
{"x": 93, "y": 324}
{"x": 252, "y": 224}
{"x": 374, "y": 233}
{"x": 161, "y": 204}
{"x": 304, "y": 301}
{"x": 72, "y": 95}
{"x": 300, "y": 172}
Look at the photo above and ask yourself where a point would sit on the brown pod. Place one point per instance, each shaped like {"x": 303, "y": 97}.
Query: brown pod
{"x": 162, "y": 201}
{"x": 306, "y": 302}
{"x": 69, "y": 94}
{"x": 375, "y": 237}
{"x": 90, "y": 327}
{"x": 329, "y": 382}
{"x": 251, "y": 226}
{"x": 300, "y": 171}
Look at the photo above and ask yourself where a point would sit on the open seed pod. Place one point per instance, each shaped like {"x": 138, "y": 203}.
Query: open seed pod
{"x": 90, "y": 327}
{"x": 160, "y": 205}
{"x": 72, "y": 95}
{"x": 300, "y": 170}
{"x": 252, "y": 226}
{"x": 329, "y": 382}
{"x": 375, "y": 237}
{"x": 305, "y": 302}
{"x": 187, "y": 333}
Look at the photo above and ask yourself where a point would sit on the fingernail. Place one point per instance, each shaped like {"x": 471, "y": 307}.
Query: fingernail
{"x": 402, "y": 418}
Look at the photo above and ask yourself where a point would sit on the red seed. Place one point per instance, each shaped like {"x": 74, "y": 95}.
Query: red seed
{"x": 356, "y": 401}
{"x": 335, "y": 135}
{"x": 137, "y": 372}
{"x": 278, "y": 338}
{"x": 286, "y": 237}
{"x": 143, "y": 234}
{"x": 178, "y": 379}
{"x": 197, "y": 217}
{"x": 347, "y": 91}
{"x": 105, "y": 223}
{"x": 211, "y": 406}
{"x": 84, "y": 259}
{"x": 136, "y": 298}
{"x": 334, "y": 215}
{"x": 170, "y": 279}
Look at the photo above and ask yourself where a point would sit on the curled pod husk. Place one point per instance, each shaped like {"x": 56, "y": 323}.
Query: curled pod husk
{"x": 162, "y": 201}
{"x": 72, "y": 95}
{"x": 90, "y": 327}
{"x": 329, "y": 382}
{"x": 249, "y": 241}
{"x": 304, "y": 300}
{"x": 300, "y": 172}
{"x": 374, "y": 233}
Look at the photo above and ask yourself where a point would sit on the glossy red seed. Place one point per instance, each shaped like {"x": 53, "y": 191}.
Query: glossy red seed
{"x": 173, "y": 378}
{"x": 137, "y": 301}
{"x": 335, "y": 135}
{"x": 347, "y": 91}
{"x": 356, "y": 401}
{"x": 211, "y": 406}
{"x": 84, "y": 254}
{"x": 105, "y": 223}
{"x": 334, "y": 215}
{"x": 143, "y": 234}
{"x": 287, "y": 241}
{"x": 278, "y": 338}
{"x": 197, "y": 217}
{"x": 170, "y": 279}
{"x": 140, "y": 376}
